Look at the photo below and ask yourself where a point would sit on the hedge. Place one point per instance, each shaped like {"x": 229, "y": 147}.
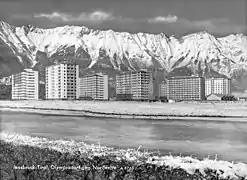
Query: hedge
{"x": 47, "y": 159}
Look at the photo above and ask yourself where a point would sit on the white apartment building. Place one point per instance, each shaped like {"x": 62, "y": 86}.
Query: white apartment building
{"x": 62, "y": 81}
{"x": 188, "y": 88}
{"x": 137, "y": 85}
{"x": 217, "y": 85}
{"x": 94, "y": 86}
{"x": 25, "y": 85}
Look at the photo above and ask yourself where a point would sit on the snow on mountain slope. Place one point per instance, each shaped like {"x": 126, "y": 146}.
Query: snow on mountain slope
{"x": 118, "y": 50}
{"x": 14, "y": 55}
{"x": 142, "y": 50}
{"x": 236, "y": 47}
{"x": 10, "y": 37}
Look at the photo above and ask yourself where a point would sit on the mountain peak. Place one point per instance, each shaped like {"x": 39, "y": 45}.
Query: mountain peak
{"x": 6, "y": 26}
{"x": 200, "y": 35}
{"x": 30, "y": 26}
{"x": 92, "y": 48}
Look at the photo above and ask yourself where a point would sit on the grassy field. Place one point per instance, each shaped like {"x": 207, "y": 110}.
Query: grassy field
{"x": 233, "y": 109}
{"x": 25, "y": 157}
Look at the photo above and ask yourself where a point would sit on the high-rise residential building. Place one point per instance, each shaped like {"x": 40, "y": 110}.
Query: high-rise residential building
{"x": 62, "y": 81}
{"x": 186, "y": 88}
{"x": 163, "y": 89}
{"x": 94, "y": 86}
{"x": 217, "y": 85}
{"x": 25, "y": 85}
{"x": 137, "y": 85}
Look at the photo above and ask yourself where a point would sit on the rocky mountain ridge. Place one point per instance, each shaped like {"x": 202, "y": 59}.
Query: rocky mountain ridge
{"x": 201, "y": 53}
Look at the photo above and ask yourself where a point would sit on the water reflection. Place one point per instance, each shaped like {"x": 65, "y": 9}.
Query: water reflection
{"x": 228, "y": 140}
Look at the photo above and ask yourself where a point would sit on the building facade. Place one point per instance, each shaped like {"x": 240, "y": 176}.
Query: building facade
{"x": 94, "y": 86}
{"x": 25, "y": 85}
{"x": 163, "y": 89}
{"x": 242, "y": 98}
{"x": 137, "y": 85}
{"x": 186, "y": 88}
{"x": 217, "y": 85}
{"x": 62, "y": 81}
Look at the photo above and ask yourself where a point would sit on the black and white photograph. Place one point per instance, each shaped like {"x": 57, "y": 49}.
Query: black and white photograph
{"x": 123, "y": 89}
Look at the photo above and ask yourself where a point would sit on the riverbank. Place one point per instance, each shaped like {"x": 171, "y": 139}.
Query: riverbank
{"x": 137, "y": 110}
{"x": 60, "y": 158}
{"x": 75, "y": 113}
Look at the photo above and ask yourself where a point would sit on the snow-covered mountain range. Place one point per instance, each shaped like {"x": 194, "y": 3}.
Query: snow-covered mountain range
{"x": 30, "y": 46}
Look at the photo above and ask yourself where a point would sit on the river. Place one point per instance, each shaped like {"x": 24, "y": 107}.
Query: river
{"x": 226, "y": 139}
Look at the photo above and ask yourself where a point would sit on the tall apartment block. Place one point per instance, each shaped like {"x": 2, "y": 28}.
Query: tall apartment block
{"x": 186, "y": 88}
{"x": 25, "y": 85}
{"x": 217, "y": 85}
{"x": 94, "y": 86}
{"x": 62, "y": 81}
{"x": 163, "y": 90}
{"x": 137, "y": 85}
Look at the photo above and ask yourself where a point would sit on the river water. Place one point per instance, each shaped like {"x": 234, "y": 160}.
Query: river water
{"x": 227, "y": 140}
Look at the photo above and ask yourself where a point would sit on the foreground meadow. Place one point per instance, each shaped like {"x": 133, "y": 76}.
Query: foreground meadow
{"x": 26, "y": 157}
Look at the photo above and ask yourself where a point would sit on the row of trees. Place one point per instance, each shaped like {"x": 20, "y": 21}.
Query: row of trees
{"x": 228, "y": 98}
{"x": 5, "y": 91}
{"x": 163, "y": 99}
{"x": 224, "y": 98}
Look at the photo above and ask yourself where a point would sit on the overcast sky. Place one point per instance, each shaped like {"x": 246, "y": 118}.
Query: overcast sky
{"x": 178, "y": 17}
